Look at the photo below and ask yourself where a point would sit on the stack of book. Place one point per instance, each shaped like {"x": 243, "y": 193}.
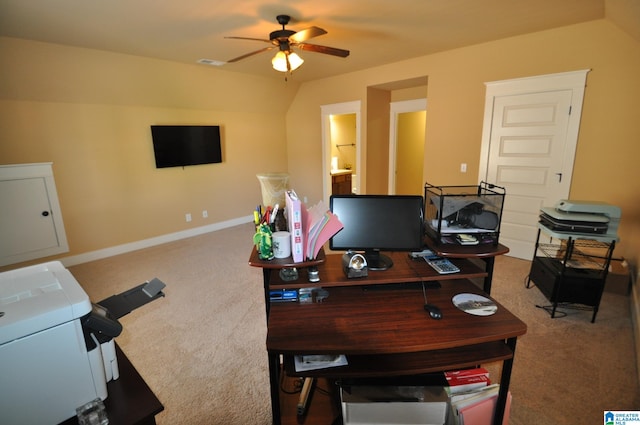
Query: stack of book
{"x": 472, "y": 398}
{"x": 310, "y": 228}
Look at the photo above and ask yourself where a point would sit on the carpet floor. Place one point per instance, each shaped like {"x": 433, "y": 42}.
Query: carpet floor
{"x": 202, "y": 347}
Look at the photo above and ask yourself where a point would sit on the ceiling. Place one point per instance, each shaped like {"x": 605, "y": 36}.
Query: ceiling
{"x": 374, "y": 31}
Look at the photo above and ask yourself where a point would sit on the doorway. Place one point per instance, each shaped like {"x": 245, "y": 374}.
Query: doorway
{"x": 528, "y": 147}
{"x": 406, "y": 146}
{"x": 341, "y": 146}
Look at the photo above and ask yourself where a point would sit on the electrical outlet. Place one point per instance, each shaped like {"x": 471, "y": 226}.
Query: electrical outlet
{"x": 463, "y": 167}
{"x": 187, "y": 217}
{"x": 205, "y": 214}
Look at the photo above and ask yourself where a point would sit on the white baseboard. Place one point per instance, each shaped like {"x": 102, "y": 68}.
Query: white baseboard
{"x": 146, "y": 243}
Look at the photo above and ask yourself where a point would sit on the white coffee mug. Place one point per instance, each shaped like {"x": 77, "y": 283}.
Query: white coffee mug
{"x": 281, "y": 242}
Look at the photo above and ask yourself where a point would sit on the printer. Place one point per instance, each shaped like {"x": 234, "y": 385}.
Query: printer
{"x": 582, "y": 217}
{"x": 56, "y": 348}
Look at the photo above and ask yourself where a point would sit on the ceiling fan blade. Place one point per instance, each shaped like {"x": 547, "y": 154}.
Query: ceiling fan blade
{"x": 249, "y": 54}
{"x": 306, "y": 34}
{"x": 252, "y": 39}
{"x": 323, "y": 49}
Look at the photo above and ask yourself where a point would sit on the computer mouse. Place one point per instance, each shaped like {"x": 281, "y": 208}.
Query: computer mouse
{"x": 434, "y": 311}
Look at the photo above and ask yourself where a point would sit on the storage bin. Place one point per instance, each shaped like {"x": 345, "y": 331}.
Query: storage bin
{"x": 394, "y": 405}
{"x": 463, "y": 215}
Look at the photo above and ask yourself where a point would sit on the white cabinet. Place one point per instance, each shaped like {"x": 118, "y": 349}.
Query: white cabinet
{"x": 31, "y": 223}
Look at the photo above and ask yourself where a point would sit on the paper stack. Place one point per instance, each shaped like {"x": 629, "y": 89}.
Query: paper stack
{"x": 473, "y": 399}
{"x": 310, "y": 228}
{"x": 321, "y": 226}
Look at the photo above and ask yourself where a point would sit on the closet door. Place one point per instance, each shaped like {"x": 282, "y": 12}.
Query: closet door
{"x": 528, "y": 147}
{"x": 30, "y": 221}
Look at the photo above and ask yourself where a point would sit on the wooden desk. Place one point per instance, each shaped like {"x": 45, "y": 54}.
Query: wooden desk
{"x": 130, "y": 401}
{"x": 386, "y": 332}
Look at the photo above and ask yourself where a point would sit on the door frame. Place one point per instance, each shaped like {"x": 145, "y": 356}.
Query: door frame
{"x": 326, "y": 111}
{"x": 573, "y": 80}
{"x": 397, "y": 108}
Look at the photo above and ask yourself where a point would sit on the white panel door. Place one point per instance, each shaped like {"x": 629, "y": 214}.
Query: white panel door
{"x": 27, "y": 222}
{"x": 530, "y": 151}
{"x": 525, "y": 158}
{"x": 30, "y": 220}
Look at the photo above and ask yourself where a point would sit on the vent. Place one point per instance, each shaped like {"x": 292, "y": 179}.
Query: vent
{"x": 211, "y": 62}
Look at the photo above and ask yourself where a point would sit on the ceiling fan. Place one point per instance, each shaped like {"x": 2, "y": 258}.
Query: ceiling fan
{"x": 286, "y": 60}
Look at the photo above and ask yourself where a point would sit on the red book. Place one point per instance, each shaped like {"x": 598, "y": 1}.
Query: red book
{"x": 480, "y": 371}
{"x": 467, "y": 383}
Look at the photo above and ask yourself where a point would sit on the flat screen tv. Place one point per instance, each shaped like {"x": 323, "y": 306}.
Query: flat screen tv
{"x": 374, "y": 223}
{"x": 182, "y": 145}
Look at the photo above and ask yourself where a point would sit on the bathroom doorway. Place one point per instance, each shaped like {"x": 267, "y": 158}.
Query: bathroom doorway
{"x": 340, "y": 148}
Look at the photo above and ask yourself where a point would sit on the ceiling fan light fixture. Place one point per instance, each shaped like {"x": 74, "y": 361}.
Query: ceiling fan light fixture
{"x": 286, "y": 61}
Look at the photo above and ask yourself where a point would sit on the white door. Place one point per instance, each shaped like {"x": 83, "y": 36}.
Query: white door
{"x": 532, "y": 135}
{"x": 30, "y": 220}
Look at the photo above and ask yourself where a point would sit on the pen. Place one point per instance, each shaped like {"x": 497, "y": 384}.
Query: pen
{"x": 267, "y": 215}
{"x": 274, "y": 212}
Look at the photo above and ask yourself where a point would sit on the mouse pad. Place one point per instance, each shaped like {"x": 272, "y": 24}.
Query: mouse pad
{"x": 475, "y": 304}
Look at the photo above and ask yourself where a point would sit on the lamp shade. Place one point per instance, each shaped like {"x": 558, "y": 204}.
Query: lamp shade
{"x": 286, "y": 61}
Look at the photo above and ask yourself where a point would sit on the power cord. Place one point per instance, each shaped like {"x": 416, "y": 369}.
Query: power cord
{"x": 570, "y": 306}
{"x": 297, "y": 385}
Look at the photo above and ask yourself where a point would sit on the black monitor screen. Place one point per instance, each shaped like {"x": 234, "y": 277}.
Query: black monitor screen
{"x": 181, "y": 145}
{"x": 374, "y": 223}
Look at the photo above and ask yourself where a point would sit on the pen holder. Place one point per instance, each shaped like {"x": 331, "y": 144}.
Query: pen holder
{"x": 262, "y": 241}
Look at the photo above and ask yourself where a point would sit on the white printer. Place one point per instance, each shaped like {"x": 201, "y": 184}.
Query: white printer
{"x": 582, "y": 217}
{"x": 56, "y": 347}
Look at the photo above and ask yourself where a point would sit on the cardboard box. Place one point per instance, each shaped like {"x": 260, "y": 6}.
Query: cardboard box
{"x": 397, "y": 405}
{"x": 619, "y": 278}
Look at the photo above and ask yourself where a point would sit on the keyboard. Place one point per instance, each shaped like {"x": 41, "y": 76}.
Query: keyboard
{"x": 442, "y": 265}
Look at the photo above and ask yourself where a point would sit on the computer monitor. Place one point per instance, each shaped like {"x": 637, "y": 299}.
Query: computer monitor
{"x": 374, "y": 223}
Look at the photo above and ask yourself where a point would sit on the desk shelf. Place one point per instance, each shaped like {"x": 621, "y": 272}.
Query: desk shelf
{"x": 404, "y": 364}
{"x": 405, "y": 270}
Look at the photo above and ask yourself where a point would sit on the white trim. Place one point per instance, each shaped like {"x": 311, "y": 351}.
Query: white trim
{"x": 574, "y": 80}
{"x": 397, "y": 108}
{"x": 146, "y": 243}
{"x": 326, "y": 111}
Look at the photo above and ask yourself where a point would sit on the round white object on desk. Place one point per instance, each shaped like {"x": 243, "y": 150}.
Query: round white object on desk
{"x": 281, "y": 242}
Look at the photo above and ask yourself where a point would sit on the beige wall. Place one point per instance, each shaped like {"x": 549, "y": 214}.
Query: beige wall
{"x": 410, "y": 153}
{"x": 608, "y": 147}
{"x": 89, "y": 113}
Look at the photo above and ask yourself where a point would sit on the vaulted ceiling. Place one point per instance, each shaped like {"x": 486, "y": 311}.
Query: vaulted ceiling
{"x": 374, "y": 31}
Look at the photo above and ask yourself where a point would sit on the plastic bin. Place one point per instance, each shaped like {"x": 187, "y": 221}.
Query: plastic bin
{"x": 274, "y": 186}
{"x": 465, "y": 215}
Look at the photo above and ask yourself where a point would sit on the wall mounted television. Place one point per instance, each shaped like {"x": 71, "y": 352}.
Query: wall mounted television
{"x": 182, "y": 145}
{"x": 374, "y": 223}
